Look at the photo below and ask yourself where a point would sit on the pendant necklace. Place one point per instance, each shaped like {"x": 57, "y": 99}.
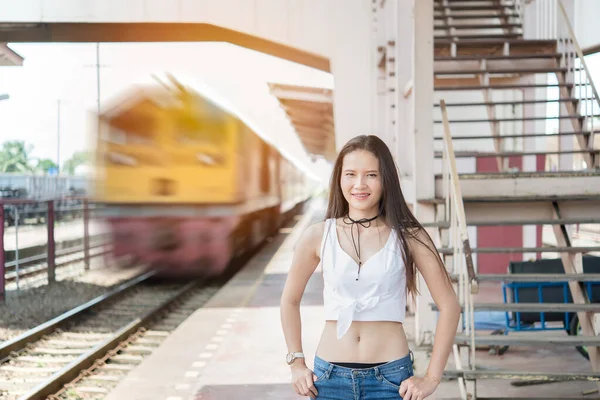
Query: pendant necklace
{"x": 364, "y": 222}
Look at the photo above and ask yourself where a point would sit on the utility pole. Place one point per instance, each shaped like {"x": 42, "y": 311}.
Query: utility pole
{"x": 57, "y": 137}
{"x": 98, "y": 77}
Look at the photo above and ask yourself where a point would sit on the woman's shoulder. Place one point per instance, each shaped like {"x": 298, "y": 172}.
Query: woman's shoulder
{"x": 311, "y": 237}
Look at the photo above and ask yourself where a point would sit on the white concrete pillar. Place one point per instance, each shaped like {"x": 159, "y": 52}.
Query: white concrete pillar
{"x": 402, "y": 49}
{"x": 423, "y": 160}
{"x": 423, "y": 98}
{"x": 353, "y": 67}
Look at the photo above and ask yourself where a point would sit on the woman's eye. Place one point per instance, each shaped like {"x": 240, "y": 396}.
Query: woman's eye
{"x": 372, "y": 175}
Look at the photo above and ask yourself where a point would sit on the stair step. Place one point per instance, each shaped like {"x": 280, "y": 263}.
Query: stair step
{"x": 533, "y": 307}
{"x": 452, "y": 7}
{"x": 501, "y": 71}
{"x": 528, "y": 340}
{"x": 469, "y": 154}
{"x": 498, "y": 250}
{"x": 517, "y": 56}
{"x": 506, "y": 103}
{"x": 540, "y": 118}
{"x": 563, "y": 221}
{"x": 503, "y": 137}
{"x": 477, "y": 26}
{"x": 536, "y": 277}
{"x": 522, "y": 375}
{"x": 499, "y": 87}
{"x": 516, "y": 199}
{"x": 536, "y": 44}
{"x": 477, "y": 36}
{"x": 478, "y": 16}
{"x": 532, "y": 174}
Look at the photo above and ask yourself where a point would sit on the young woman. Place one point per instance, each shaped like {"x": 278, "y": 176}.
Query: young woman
{"x": 369, "y": 248}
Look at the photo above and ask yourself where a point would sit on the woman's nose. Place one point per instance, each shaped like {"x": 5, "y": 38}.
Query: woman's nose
{"x": 360, "y": 182}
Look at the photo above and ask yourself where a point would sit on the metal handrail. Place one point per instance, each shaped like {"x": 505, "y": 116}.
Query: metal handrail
{"x": 458, "y": 198}
{"x": 468, "y": 283}
{"x": 578, "y": 50}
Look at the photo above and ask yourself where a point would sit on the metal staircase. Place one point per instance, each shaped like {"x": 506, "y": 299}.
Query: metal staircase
{"x": 498, "y": 80}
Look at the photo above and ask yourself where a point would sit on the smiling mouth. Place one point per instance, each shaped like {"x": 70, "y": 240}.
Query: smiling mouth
{"x": 361, "y": 196}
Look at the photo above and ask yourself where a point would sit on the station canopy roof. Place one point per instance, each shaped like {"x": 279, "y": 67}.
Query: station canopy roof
{"x": 8, "y": 57}
{"x": 310, "y": 110}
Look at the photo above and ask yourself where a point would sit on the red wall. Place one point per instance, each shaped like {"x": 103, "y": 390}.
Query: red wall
{"x": 503, "y": 236}
{"x": 497, "y": 236}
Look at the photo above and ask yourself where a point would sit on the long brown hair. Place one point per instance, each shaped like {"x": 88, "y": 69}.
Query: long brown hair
{"x": 392, "y": 205}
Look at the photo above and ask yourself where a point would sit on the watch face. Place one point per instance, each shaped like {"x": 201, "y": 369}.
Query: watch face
{"x": 289, "y": 358}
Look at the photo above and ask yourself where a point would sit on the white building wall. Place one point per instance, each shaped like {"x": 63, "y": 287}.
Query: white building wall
{"x": 587, "y": 14}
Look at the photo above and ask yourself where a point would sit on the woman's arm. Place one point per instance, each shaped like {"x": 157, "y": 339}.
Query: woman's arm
{"x": 304, "y": 263}
{"x": 440, "y": 287}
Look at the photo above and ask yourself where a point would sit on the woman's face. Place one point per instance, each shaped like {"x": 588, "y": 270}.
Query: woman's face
{"x": 360, "y": 182}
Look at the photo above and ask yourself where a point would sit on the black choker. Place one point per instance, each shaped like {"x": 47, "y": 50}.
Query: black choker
{"x": 364, "y": 222}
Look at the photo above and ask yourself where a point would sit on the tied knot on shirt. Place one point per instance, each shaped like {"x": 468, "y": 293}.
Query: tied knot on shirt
{"x": 349, "y": 309}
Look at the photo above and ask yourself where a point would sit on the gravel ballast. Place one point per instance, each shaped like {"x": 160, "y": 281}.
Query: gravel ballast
{"x": 31, "y": 306}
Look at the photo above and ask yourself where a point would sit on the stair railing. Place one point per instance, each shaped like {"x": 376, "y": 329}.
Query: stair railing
{"x": 462, "y": 261}
{"x": 578, "y": 74}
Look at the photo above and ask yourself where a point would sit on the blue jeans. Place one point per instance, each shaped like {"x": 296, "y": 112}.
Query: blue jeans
{"x": 377, "y": 383}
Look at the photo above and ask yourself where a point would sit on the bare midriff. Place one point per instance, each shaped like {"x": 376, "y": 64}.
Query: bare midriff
{"x": 365, "y": 342}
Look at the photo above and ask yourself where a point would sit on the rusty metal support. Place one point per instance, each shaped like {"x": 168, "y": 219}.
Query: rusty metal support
{"x": 86, "y": 234}
{"x": 573, "y": 264}
{"x": 2, "y": 258}
{"x": 51, "y": 245}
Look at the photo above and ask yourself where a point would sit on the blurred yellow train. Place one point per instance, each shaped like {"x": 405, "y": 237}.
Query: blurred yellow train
{"x": 186, "y": 184}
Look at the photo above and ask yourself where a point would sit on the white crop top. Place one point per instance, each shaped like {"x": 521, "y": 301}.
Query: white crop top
{"x": 378, "y": 295}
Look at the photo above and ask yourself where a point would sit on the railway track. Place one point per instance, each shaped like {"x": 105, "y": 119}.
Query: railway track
{"x": 92, "y": 347}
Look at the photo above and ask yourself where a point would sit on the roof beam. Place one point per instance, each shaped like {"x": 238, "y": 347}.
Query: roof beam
{"x": 300, "y": 125}
{"x": 118, "y": 32}
{"x": 299, "y": 93}
{"x": 8, "y": 57}
{"x": 296, "y": 114}
{"x": 305, "y": 106}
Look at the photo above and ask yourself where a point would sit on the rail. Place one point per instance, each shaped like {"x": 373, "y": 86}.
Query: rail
{"x": 579, "y": 75}
{"x": 462, "y": 260}
{"x": 551, "y": 21}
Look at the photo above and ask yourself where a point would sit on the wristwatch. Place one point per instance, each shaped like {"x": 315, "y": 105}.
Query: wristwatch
{"x": 291, "y": 357}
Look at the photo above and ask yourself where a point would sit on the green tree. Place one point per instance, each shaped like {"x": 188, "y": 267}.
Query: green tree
{"x": 44, "y": 165}
{"x": 15, "y": 157}
{"x": 78, "y": 158}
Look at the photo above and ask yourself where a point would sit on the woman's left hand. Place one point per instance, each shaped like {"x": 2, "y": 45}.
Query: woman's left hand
{"x": 416, "y": 388}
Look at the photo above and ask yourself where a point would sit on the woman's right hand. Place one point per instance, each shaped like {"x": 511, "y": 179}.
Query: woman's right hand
{"x": 303, "y": 381}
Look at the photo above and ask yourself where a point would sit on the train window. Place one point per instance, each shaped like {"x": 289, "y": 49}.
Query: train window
{"x": 131, "y": 132}
{"x": 194, "y": 131}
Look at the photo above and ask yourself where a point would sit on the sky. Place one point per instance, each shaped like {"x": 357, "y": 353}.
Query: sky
{"x": 62, "y": 79}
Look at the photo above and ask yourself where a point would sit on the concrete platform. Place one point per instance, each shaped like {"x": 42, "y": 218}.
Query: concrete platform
{"x": 233, "y": 348}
